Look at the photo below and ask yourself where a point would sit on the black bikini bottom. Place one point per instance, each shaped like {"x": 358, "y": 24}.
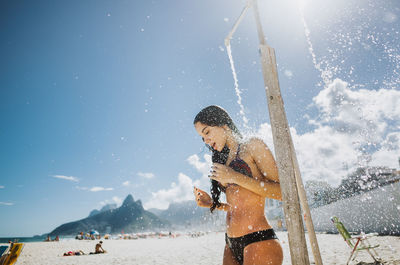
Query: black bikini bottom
{"x": 237, "y": 244}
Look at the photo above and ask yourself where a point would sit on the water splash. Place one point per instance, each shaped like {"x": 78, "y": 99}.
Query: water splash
{"x": 237, "y": 90}
{"x": 325, "y": 74}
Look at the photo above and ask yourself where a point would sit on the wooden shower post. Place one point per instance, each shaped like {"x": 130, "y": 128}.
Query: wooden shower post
{"x": 289, "y": 172}
{"x": 288, "y": 168}
{"x": 283, "y": 154}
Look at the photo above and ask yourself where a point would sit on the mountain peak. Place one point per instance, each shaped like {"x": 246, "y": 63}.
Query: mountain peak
{"x": 128, "y": 200}
{"x": 129, "y": 217}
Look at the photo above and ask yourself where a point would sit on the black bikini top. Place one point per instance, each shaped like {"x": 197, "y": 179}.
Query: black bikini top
{"x": 240, "y": 165}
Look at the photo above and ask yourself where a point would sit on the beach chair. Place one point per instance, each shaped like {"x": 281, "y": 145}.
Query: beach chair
{"x": 13, "y": 254}
{"x": 356, "y": 243}
{"x": 3, "y": 250}
{"x": 3, "y": 254}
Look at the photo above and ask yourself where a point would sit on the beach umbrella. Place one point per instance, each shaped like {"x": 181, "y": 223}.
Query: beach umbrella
{"x": 94, "y": 232}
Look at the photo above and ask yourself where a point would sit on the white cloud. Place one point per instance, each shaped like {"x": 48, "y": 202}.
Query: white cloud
{"x": 6, "y": 203}
{"x": 367, "y": 116}
{"x": 2, "y": 187}
{"x": 181, "y": 191}
{"x": 367, "y": 112}
{"x": 70, "y": 178}
{"x": 324, "y": 154}
{"x": 115, "y": 199}
{"x": 126, "y": 183}
{"x": 354, "y": 127}
{"x": 265, "y": 133}
{"x": 146, "y": 175}
{"x": 390, "y": 151}
{"x": 351, "y": 126}
{"x": 94, "y": 188}
{"x": 202, "y": 167}
{"x": 97, "y": 188}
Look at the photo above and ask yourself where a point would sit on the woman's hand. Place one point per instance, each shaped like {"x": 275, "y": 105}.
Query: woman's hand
{"x": 223, "y": 174}
{"x": 202, "y": 198}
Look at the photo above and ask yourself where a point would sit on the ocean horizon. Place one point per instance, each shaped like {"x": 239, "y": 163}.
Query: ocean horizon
{"x": 22, "y": 239}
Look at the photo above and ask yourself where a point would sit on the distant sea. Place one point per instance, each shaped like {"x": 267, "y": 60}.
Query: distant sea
{"x": 22, "y": 239}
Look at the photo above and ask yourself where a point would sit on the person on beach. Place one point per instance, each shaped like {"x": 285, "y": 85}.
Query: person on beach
{"x": 246, "y": 172}
{"x": 74, "y": 253}
{"x": 99, "y": 249}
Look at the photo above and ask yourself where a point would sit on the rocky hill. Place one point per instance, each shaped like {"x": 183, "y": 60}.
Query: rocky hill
{"x": 130, "y": 217}
{"x": 103, "y": 209}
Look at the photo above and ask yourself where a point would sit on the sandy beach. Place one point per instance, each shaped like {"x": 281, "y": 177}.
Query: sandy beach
{"x": 205, "y": 249}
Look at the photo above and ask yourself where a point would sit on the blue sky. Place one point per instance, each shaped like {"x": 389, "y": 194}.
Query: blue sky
{"x": 97, "y": 98}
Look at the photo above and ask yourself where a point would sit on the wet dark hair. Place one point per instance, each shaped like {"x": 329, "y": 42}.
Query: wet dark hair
{"x": 217, "y": 116}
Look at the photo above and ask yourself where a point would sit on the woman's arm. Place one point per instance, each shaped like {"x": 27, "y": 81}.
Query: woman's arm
{"x": 266, "y": 165}
{"x": 263, "y": 159}
{"x": 266, "y": 186}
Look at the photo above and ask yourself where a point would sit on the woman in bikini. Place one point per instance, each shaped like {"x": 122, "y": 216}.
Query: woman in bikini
{"x": 247, "y": 173}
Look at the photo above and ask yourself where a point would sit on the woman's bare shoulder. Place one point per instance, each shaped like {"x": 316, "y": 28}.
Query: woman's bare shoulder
{"x": 254, "y": 147}
{"x": 254, "y": 143}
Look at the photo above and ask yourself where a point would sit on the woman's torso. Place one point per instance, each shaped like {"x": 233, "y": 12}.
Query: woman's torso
{"x": 246, "y": 213}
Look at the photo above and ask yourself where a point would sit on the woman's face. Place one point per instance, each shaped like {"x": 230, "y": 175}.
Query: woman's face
{"x": 213, "y": 136}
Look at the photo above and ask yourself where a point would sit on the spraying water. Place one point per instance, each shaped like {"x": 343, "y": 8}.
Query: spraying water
{"x": 326, "y": 74}
{"x": 237, "y": 90}
{"x": 373, "y": 42}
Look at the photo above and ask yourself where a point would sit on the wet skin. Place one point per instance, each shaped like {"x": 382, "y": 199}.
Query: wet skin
{"x": 245, "y": 196}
